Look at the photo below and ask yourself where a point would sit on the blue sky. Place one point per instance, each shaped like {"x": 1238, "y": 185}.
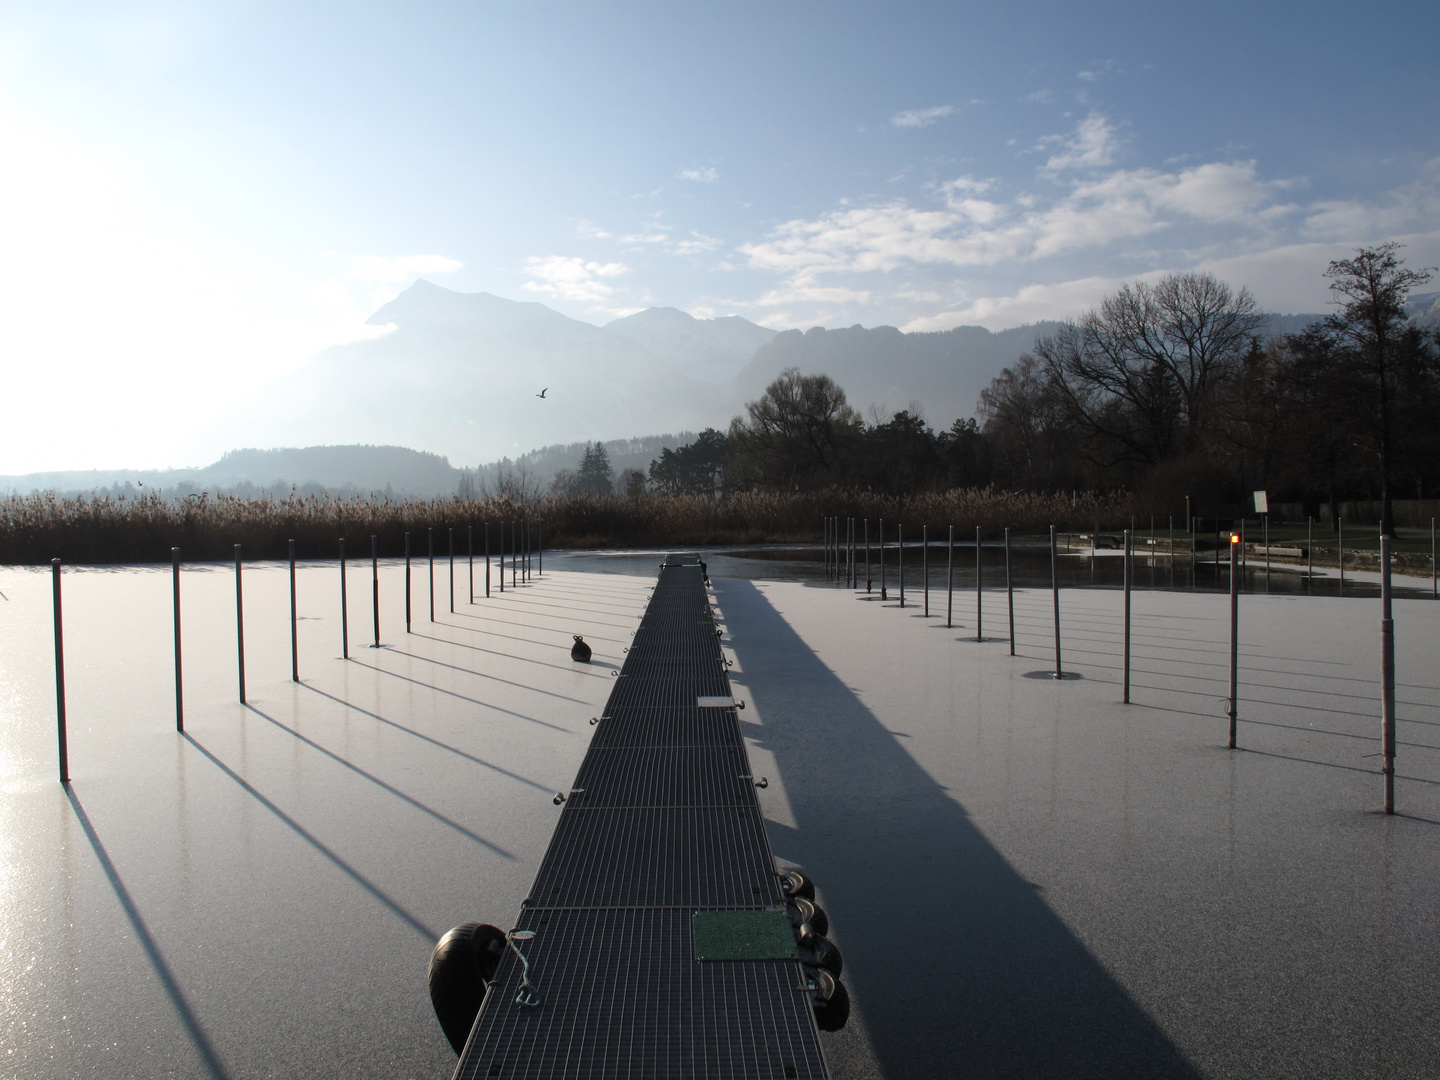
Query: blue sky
{"x": 196, "y": 196}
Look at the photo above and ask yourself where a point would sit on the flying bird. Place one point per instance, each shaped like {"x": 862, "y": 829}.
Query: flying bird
{"x": 542, "y": 393}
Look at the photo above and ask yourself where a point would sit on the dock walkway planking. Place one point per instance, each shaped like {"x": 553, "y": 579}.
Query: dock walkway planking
{"x": 662, "y": 822}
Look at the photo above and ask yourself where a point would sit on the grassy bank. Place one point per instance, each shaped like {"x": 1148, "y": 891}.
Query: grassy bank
{"x": 36, "y": 528}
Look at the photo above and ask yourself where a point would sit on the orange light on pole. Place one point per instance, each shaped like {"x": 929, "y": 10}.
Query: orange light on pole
{"x": 1234, "y": 538}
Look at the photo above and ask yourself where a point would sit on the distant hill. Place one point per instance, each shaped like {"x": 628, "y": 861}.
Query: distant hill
{"x": 1424, "y": 309}
{"x": 460, "y": 375}
{"x": 708, "y": 350}
{"x": 942, "y": 372}
{"x": 542, "y": 465}
{"x": 339, "y": 470}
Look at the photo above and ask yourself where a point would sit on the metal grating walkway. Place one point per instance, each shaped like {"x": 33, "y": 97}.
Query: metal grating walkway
{"x": 662, "y": 822}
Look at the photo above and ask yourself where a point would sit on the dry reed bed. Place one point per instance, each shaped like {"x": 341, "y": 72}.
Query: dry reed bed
{"x": 37, "y": 528}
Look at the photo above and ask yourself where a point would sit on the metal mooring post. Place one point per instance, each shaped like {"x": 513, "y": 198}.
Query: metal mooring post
{"x": 882, "y": 558}
{"x": 867, "y": 555}
{"x": 179, "y": 688}
{"x": 375, "y": 584}
{"x": 502, "y": 556}
{"x": 1309, "y": 550}
{"x": 452, "y": 570}
{"x": 344, "y": 607}
{"x": 294, "y": 637}
{"x": 470, "y": 557}
{"x": 487, "y": 560}
{"x": 430, "y": 538}
{"x": 1129, "y": 581}
{"x": 900, "y": 559}
{"x": 925, "y": 564}
{"x": 407, "y": 583}
{"x": 540, "y": 548}
{"x": 979, "y": 570}
{"x": 1009, "y": 591}
{"x": 239, "y": 625}
{"x": 1387, "y": 677}
{"x": 1055, "y": 596}
{"x": 60, "y": 676}
{"x": 1340, "y": 532}
{"x": 1234, "y": 632}
{"x": 514, "y": 554}
{"x": 950, "y": 578}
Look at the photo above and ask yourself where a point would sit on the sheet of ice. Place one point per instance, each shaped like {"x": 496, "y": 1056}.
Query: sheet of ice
{"x": 259, "y": 896}
{"x": 1028, "y": 878}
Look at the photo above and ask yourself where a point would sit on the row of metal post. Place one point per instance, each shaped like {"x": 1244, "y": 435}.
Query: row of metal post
{"x": 523, "y": 559}
{"x": 1236, "y": 545}
{"x": 841, "y": 558}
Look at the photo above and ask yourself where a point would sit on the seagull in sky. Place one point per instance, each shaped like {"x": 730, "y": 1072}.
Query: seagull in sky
{"x": 542, "y": 393}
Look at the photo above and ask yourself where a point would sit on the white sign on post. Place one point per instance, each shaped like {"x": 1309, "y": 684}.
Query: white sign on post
{"x": 1262, "y": 503}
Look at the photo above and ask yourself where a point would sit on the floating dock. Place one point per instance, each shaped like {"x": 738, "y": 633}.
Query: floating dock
{"x": 651, "y": 909}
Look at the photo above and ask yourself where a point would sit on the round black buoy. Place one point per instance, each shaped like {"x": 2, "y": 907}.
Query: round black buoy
{"x": 832, "y": 1000}
{"x": 806, "y": 912}
{"x": 580, "y": 652}
{"x": 463, "y": 963}
{"x": 818, "y": 951}
{"x": 794, "y": 883}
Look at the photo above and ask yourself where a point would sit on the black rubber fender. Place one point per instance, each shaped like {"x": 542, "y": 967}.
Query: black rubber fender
{"x": 831, "y": 1000}
{"x": 461, "y": 966}
{"x": 802, "y": 911}
{"x": 793, "y": 883}
{"x": 818, "y": 951}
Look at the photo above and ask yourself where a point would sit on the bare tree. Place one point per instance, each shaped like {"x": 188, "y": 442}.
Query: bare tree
{"x": 794, "y": 432}
{"x": 1372, "y": 289}
{"x": 1141, "y": 373}
{"x": 512, "y": 482}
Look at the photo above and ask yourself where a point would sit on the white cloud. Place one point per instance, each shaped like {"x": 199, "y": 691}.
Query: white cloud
{"x": 805, "y": 292}
{"x": 652, "y": 234}
{"x": 568, "y": 277}
{"x": 1093, "y": 144}
{"x": 1288, "y": 278}
{"x": 1415, "y": 205}
{"x": 706, "y": 174}
{"x": 918, "y": 118}
{"x": 1084, "y": 211}
{"x": 1032, "y": 303}
{"x": 975, "y": 228}
{"x": 697, "y": 243}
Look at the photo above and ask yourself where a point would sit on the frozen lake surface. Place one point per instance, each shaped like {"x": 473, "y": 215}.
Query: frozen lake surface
{"x": 1027, "y": 878}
